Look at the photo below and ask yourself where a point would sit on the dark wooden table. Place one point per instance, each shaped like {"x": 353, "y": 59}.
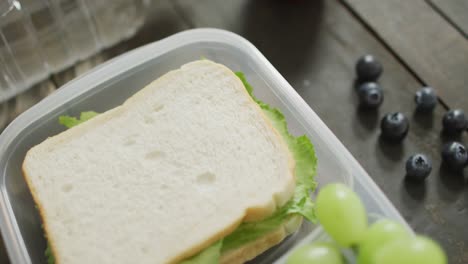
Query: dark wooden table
{"x": 315, "y": 44}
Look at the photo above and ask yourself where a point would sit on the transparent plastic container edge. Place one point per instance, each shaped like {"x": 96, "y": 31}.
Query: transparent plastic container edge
{"x": 119, "y": 65}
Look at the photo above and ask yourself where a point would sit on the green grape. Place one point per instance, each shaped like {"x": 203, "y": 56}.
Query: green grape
{"x": 414, "y": 250}
{"x": 342, "y": 214}
{"x": 316, "y": 253}
{"x": 379, "y": 234}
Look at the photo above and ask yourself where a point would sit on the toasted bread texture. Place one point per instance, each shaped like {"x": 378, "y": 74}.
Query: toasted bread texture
{"x": 175, "y": 168}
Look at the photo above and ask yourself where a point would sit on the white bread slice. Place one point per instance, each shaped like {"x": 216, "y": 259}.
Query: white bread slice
{"x": 177, "y": 167}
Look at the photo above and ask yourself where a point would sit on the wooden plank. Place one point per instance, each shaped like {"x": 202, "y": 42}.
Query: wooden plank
{"x": 10, "y": 109}
{"x": 426, "y": 42}
{"x": 456, "y": 11}
{"x": 315, "y": 44}
{"x": 3, "y": 253}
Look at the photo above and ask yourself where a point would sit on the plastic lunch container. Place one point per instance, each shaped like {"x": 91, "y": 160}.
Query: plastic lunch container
{"x": 109, "y": 84}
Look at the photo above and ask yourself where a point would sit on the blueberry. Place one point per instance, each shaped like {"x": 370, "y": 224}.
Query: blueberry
{"x": 394, "y": 126}
{"x": 455, "y": 155}
{"x": 454, "y": 121}
{"x": 426, "y": 99}
{"x": 370, "y": 94}
{"x": 368, "y": 68}
{"x": 418, "y": 167}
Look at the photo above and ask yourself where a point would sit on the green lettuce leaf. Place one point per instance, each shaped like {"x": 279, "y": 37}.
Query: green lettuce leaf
{"x": 70, "y": 121}
{"x": 248, "y": 232}
{"x": 301, "y": 147}
{"x": 48, "y": 253}
{"x": 210, "y": 255}
{"x": 301, "y": 202}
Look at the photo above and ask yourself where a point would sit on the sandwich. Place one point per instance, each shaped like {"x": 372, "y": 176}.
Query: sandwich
{"x": 191, "y": 169}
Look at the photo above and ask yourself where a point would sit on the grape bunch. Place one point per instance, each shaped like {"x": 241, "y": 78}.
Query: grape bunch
{"x": 343, "y": 216}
